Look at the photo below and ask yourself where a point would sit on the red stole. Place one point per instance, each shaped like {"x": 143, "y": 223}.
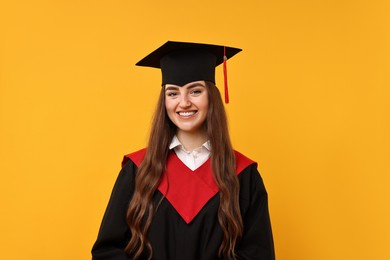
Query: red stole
{"x": 188, "y": 191}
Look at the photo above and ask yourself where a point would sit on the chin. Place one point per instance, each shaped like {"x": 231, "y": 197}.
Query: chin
{"x": 187, "y": 128}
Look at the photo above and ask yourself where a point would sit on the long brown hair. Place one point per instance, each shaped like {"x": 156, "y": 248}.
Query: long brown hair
{"x": 141, "y": 209}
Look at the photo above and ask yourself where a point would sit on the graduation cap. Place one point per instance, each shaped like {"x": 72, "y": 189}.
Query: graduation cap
{"x": 184, "y": 62}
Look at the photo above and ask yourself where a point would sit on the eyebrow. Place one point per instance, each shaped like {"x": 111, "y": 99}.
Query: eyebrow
{"x": 193, "y": 85}
{"x": 171, "y": 88}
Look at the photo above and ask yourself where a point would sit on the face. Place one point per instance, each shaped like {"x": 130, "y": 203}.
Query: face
{"x": 187, "y": 105}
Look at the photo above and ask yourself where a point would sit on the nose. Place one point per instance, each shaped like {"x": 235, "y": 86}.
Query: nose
{"x": 184, "y": 102}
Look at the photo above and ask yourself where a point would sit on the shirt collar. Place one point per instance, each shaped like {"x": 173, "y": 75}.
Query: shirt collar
{"x": 176, "y": 143}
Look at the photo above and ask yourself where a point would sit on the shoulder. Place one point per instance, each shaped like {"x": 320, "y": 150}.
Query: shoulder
{"x": 243, "y": 162}
{"x": 248, "y": 174}
{"x": 130, "y": 164}
{"x": 136, "y": 157}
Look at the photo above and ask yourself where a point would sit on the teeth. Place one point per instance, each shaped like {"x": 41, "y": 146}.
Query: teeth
{"x": 186, "y": 113}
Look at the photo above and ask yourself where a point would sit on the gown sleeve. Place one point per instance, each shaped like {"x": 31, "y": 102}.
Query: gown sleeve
{"x": 114, "y": 233}
{"x": 257, "y": 241}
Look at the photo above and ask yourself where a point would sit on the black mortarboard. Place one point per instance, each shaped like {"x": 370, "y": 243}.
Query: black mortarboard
{"x": 184, "y": 62}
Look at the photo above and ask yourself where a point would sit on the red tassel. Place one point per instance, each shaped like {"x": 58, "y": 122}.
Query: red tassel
{"x": 225, "y": 76}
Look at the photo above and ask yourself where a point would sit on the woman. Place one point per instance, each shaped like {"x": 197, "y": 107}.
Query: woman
{"x": 189, "y": 195}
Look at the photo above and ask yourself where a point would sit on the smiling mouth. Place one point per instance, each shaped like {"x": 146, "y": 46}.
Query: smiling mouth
{"x": 186, "y": 114}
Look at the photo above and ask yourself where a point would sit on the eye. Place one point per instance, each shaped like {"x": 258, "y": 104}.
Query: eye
{"x": 196, "y": 91}
{"x": 171, "y": 94}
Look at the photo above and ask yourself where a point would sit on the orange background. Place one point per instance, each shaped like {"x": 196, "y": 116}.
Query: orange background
{"x": 309, "y": 102}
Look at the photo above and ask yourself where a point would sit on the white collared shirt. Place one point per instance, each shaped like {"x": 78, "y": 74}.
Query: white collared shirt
{"x": 192, "y": 159}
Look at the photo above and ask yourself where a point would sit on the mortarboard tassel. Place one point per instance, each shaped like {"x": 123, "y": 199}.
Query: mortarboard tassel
{"x": 225, "y": 76}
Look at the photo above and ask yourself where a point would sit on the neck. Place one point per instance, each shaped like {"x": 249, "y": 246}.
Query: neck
{"x": 190, "y": 140}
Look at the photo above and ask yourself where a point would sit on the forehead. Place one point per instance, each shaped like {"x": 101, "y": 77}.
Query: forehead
{"x": 201, "y": 83}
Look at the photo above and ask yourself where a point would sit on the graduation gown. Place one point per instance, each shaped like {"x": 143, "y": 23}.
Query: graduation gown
{"x": 185, "y": 225}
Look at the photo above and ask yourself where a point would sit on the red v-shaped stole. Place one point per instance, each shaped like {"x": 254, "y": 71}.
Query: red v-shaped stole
{"x": 188, "y": 191}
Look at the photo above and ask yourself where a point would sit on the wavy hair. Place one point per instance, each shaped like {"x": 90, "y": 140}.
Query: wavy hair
{"x": 141, "y": 208}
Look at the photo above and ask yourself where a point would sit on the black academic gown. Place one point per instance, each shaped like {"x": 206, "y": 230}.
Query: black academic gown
{"x": 177, "y": 234}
